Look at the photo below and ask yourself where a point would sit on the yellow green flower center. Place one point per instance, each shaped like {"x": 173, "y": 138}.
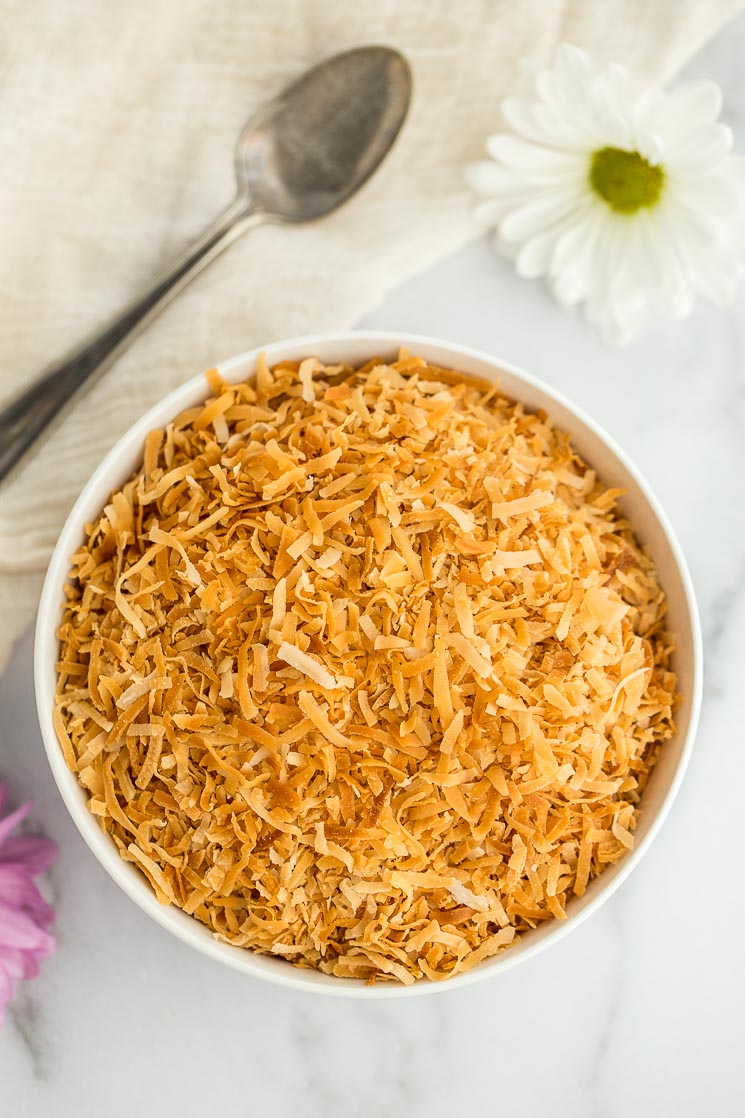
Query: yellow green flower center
{"x": 625, "y": 179}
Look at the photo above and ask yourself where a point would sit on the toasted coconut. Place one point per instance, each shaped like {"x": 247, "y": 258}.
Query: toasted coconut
{"x": 364, "y": 669}
{"x": 307, "y": 665}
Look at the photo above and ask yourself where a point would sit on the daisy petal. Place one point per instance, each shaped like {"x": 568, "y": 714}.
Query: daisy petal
{"x": 542, "y": 125}
{"x": 712, "y": 268}
{"x": 610, "y": 97}
{"x": 534, "y": 257}
{"x": 673, "y": 116}
{"x": 713, "y": 193}
{"x": 521, "y": 117}
{"x": 664, "y": 267}
{"x": 574, "y": 255}
{"x": 491, "y": 213}
{"x": 702, "y": 148}
{"x": 489, "y": 178}
{"x": 520, "y": 153}
{"x": 650, "y": 111}
{"x": 623, "y": 319}
{"x": 695, "y": 104}
{"x": 543, "y": 212}
{"x": 567, "y": 83}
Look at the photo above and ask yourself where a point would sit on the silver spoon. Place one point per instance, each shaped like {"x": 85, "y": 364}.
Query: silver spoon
{"x": 300, "y": 157}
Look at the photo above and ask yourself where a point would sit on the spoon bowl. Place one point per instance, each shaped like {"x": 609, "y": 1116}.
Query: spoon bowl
{"x": 308, "y": 150}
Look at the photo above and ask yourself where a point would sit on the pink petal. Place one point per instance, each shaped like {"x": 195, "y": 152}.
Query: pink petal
{"x": 12, "y": 820}
{"x": 23, "y": 964}
{"x": 46, "y": 947}
{"x": 32, "y": 851}
{"x": 18, "y": 890}
{"x": 20, "y": 964}
{"x": 17, "y": 929}
{"x": 17, "y": 963}
{"x": 24, "y": 914}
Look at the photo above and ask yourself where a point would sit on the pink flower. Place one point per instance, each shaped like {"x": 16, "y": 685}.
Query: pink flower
{"x": 24, "y": 914}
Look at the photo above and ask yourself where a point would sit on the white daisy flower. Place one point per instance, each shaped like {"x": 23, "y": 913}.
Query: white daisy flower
{"x": 618, "y": 199}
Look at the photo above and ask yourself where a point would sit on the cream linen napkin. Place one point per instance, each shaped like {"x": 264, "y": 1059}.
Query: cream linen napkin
{"x": 117, "y": 126}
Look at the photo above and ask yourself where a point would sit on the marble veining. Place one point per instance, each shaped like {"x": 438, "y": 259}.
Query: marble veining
{"x": 27, "y": 1020}
{"x": 638, "y": 1012}
{"x": 614, "y": 993}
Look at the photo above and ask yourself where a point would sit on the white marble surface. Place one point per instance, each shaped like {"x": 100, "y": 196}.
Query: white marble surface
{"x": 639, "y": 1012}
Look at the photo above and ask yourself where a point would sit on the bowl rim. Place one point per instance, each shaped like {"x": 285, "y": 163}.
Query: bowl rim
{"x": 245, "y": 961}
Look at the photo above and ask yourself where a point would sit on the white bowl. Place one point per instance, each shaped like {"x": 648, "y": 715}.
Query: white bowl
{"x": 613, "y": 467}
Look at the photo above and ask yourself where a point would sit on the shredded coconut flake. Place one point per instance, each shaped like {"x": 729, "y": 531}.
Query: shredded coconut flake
{"x": 307, "y": 665}
{"x": 305, "y": 376}
{"x": 462, "y": 517}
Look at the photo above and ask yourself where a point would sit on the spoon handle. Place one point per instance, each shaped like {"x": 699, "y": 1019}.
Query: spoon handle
{"x": 24, "y": 419}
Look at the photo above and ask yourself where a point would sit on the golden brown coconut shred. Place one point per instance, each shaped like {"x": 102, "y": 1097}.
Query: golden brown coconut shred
{"x": 364, "y": 669}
